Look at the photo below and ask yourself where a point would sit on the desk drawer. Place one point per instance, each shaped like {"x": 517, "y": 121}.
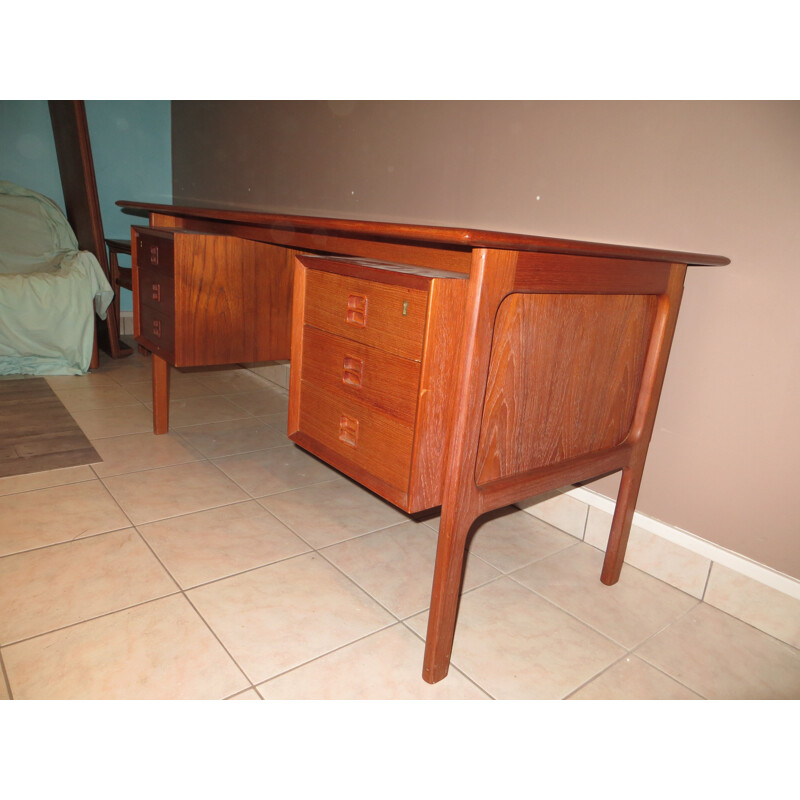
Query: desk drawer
{"x": 385, "y": 382}
{"x": 382, "y": 315}
{"x": 157, "y": 290}
{"x": 156, "y": 252}
{"x": 158, "y": 329}
{"x": 358, "y": 433}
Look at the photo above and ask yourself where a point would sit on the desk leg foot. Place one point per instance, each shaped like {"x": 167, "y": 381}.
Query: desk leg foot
{"x": 621, "y": 525}
{"x": 453, "y": 532}
{"x": 160, "y": 395}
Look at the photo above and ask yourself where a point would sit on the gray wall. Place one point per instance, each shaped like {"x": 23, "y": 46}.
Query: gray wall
{"x": 716, "y": 177}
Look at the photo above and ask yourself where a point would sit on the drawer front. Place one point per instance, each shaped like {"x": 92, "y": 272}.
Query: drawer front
{"x": 383, "y": 381}
{"x": 158, "y": 329}
{"x": 381, "y": 315}
{"x": 156, "y": 253}
{"x": 358, "y": 433}
{"x": 157, "y": 290}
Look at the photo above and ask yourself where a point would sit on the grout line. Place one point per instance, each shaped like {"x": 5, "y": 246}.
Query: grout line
{"x": 707, "y": 581}
{"x": 5, "y": 676}
{"x": 452, "y": 666}
{"x": 90, "y": 619}
{"x": 221, "y": 644}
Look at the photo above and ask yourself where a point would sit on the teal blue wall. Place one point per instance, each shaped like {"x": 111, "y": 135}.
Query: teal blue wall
{"x": 27, "y": 151}
{"x": 131, "y": 148}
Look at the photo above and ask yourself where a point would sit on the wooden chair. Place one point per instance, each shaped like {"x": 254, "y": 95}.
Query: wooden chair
{"x": 82, "y": 206}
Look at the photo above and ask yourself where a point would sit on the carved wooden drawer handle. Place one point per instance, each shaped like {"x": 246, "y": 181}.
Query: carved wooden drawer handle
{"x": 157, "y": 292}
{"x": 348, "y": 430}
{"x": 154, "y": 254}
{"x": 157, "y": 327}
{"x": 357, "y": 310}
{"x": 352, "y": 370}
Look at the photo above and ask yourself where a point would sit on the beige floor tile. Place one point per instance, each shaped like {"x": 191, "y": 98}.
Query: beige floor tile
{"x": 723, "y": 658}
{"x": 140, "y": 451}
{"x": 517, "y": 646}
{"x": 100, "y": 423}
{"x": 4, "y": 695}
{"x": 279, "y": 421}
{"x": 510, "y": 538}
{"x": 280, "y": 616}
{"x": 128, "y": 370}
{"x": 201, "y": 410}
{"x": 395, "y": 566}
{"x": 167, "y": 492}
{"x": 57, "y": 514}
{"x": 218, "y": 439}
{"x": 263, "y": 401}
{"x": 59, "y": 382}
{"x": 384, "y": 666}
{"x": 42, "y": 480}
{"x": 635, "y": 608}
{"x": 633, "y": 679}
{"x": 653, "y": 554}
{"x": 96, "y": 396}
{"x": 331, "y": 512}
{"x": 761, "y": 606}
{"x": 67, "y": 583}
{"x": 559, "y": 510}
{"x": 157, "y": 651}
{"x": 231, "y": 381}
{"x": 274, "y": 371}
{"x": 201, "y": 547}
{"x": 179, "y": 388}
{"x": 278, "y": 469}
{"x": 249, "y": 694}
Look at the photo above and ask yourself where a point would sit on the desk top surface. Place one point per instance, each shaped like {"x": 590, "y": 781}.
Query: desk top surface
{"x": 430, "y": 235}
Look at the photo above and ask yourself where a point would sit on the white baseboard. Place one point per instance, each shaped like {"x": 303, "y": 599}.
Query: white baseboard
{"x": 126, "y": 323}
{"x": 739, "y": 563}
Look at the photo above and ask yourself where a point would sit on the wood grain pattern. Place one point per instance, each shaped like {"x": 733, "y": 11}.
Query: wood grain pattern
{"x": 643, "y": 422}
{"x": 383, "y": 447}
{"x": 440, "y": 348}
{"x": 395, "y": 315}
{"x": 491, "y": 279}
{"x": 323, "y": 242}
{"x": 543, "y": 368}
{"x": 564, "y": 378}
{"x": 36, "y": 432}
{"x": 287, "y": 229}
{"x": 548, "y": 272}
{"x": 222, "y": 287}
{"x": 388, "y": 382}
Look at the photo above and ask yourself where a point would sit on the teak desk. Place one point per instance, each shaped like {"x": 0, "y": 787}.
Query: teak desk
{"x": 436, "y": 366}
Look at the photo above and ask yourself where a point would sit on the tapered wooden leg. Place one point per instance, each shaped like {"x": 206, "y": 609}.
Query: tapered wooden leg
{"x": 491, "y": 279}
{"x": 160, "y": 395}
{"x": 621, "y": 525}
{"x": 642, "y": 427}
{"x": 447, "y": 573}
{"x": 94, "y": 363}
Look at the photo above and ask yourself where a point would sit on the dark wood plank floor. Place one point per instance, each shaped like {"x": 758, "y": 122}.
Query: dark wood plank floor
{"x": 36, "y": 432}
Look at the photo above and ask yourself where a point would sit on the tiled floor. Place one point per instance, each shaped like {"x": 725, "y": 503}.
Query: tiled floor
{"x": 220, "y": 561}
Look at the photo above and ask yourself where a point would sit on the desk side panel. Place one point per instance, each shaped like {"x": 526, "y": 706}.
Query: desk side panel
{"x": 564, "y": 379}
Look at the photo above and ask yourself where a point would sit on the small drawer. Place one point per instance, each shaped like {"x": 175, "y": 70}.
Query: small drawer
{"x": 157, "y": 329}
{"x": 358, "y": 433}
{"x": 157, "y": 290}
{"x": 383, "y": 315}
{"x": 386, "y": 382}
{"x": 156, "y": 253}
